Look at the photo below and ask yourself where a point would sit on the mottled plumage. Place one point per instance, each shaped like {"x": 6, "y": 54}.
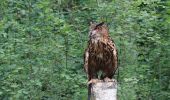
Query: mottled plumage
{"x": 101, "y": 53}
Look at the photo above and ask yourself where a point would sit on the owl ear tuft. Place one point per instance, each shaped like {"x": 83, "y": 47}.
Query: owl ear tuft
{"x": 92, "y": 25}
{"x": 98, "y": 25}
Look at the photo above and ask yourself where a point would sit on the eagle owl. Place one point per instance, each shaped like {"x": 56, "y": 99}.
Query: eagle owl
{"x": 100, "y": 57}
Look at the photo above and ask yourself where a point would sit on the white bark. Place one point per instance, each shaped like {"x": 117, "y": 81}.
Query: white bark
{"x": 104, "y": 91}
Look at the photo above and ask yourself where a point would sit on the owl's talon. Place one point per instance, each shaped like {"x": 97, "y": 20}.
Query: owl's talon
{"x": 108, "y": 79}
{"x": 93, "y": 81}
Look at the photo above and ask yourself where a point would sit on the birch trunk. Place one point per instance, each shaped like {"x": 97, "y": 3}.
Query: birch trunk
{"x": 104, "y": 91}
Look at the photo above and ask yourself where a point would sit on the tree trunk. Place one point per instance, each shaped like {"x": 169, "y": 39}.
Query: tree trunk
{"x": 104, "y": 90}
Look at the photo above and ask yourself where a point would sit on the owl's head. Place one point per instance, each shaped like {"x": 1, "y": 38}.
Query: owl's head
{"x": 98, "y": 31}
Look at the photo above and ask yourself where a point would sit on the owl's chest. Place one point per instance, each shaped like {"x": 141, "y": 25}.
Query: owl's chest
{"x": 99, "y": 51}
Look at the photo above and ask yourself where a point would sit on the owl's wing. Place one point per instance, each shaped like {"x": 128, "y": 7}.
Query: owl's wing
{"x": 86, "y": 58}
{"x": 114, "y": 53}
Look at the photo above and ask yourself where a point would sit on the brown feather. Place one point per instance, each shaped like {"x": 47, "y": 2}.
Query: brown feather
{"x": 101, "y": 54}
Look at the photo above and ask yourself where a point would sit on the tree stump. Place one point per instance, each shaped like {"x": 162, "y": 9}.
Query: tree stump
{"x": 104, "y": 90}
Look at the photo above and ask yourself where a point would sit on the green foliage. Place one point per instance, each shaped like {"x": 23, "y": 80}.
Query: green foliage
{"x": 42, "y": 44}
